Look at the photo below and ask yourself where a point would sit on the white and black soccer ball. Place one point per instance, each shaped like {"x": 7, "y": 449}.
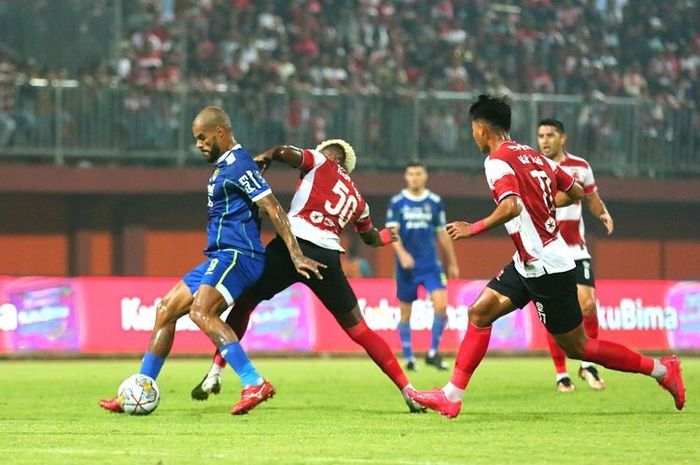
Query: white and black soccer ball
{"x": 138, "y": 395}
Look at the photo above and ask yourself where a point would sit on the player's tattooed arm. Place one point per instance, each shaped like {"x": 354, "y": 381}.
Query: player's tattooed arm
{"x": 280, "y": 221}
{"x": 288, "y": 154}
{"x": 599, "y": 210}
{"x": 379, "y": 237}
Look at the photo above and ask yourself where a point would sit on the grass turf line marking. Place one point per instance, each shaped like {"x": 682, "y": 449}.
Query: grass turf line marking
{"x": 76, "y": 451}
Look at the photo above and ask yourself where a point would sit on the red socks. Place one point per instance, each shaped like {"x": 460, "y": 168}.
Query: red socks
{"x": 558, "y": 354}
{"x": 379, "y": 351}
{"x": 471, "y": 352}
{"x": 617, "y": 357}
{"x": 590, "y": 325}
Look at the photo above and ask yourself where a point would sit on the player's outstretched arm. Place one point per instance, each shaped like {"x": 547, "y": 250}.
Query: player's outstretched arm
{"x": 566, "y": 198}
{"x": 304, "y": 265}
{"x": 379, "y": 237}
{"x": 599, "y": 210}
{"x": 288, "y": 154}
{"x": 506, "y": 210}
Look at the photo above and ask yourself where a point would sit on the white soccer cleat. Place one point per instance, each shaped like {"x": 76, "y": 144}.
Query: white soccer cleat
{"x": 564, "y": 384}
{"x": 591, "y": 376}
{"x": 211, "y": 384}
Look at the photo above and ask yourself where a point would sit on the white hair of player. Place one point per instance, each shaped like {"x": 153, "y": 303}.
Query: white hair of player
{"x": 350, "y": 158}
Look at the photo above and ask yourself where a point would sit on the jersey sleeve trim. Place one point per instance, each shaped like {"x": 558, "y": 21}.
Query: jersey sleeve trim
{"x": 261, "y": 195}
{"x": 507, "y": 194}
{"x": 505, "y": 186}
{"x": 590, "y": 189}
{"x": 564, "y": 180}
{"x": 501, "y": 179}
{"x": 310, "y": 159}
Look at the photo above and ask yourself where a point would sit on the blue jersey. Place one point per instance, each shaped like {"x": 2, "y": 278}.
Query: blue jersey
{"x": 418, "y": 219}
{"x": 234, "y": 186}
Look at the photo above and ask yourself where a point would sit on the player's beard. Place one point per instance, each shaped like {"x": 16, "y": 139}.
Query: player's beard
{"x": 214, "y": 153}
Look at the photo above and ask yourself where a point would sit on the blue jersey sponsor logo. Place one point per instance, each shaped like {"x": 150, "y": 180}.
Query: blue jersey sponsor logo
{"x": 418, "y": 219}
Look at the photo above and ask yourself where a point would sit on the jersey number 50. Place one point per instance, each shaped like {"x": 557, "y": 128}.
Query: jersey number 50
{"x": 344, "y": 207}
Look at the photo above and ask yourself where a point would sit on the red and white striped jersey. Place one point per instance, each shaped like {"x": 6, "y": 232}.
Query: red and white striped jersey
{"x": 517, "y": 169}
{"x": 325, "y": 201}
{"x": 570, "y": 218}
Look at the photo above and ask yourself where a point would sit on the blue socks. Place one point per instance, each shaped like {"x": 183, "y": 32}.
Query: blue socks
{"x": 439, "y": 323}
{"x": 405, "y": 335}
{"x": 234, "y": 354}
{"x": 151, "y": 364}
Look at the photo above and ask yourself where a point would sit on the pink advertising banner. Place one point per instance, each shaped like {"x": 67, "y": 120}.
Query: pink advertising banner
{"x": 115, "y": 315}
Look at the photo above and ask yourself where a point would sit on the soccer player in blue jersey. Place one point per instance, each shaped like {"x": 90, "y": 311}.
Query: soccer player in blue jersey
{"x": 420, "y": 218}
{"x": 235, "y": 258}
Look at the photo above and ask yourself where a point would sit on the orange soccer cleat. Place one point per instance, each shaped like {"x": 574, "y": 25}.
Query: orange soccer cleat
{"x": 113, "y": 405}
{"x": 673, "y": 381}
{"x": 436, "y": 400}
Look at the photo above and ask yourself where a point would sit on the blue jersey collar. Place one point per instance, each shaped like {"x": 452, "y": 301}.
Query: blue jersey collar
{"x": 226, "y": 153}
{"x": 415, "y": 198}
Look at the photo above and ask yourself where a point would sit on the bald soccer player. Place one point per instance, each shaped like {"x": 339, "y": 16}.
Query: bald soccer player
{"x": 235, "y": 258}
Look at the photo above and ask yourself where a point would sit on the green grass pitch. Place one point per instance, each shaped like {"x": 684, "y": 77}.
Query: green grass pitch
{"x": 342, "y": 411}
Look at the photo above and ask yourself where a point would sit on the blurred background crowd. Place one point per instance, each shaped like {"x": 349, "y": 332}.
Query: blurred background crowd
{"x": 596, "y": 49}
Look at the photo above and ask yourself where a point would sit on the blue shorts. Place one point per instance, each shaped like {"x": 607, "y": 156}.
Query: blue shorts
{"x": 230, "y": 273}
{"x": 407, "y": 282}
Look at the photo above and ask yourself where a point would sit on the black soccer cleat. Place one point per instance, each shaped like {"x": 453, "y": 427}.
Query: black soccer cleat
{"x": 565, "y": 385}
{"x": 208, "y": 385}
{"x": 437, "y": 362}
{"x": 411, "y": 366}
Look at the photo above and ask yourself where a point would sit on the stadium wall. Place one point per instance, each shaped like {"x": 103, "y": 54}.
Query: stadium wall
{"x": 59, "y": 221}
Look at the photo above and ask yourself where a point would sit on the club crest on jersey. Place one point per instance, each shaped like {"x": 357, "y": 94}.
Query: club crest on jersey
{"x": 316, "y": 217}
{"x": 550, "y": 225}
{"x": 214, "y": 175}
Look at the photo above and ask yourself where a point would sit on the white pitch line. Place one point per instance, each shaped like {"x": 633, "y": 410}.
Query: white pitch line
{"x": 373, "y": 461}
{"x": 350, "y": 460}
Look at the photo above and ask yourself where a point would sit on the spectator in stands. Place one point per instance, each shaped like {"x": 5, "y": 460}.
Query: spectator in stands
{"x": 373, "y": 45}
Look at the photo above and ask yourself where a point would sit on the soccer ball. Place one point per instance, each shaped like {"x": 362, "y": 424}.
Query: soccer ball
{"x": 138, "y": 395}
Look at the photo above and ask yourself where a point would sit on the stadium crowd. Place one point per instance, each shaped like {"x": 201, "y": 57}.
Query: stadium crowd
{"x": 608, "y": 47}
{"x": 644, "y": 49}
{"x": 613, "y": 47}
